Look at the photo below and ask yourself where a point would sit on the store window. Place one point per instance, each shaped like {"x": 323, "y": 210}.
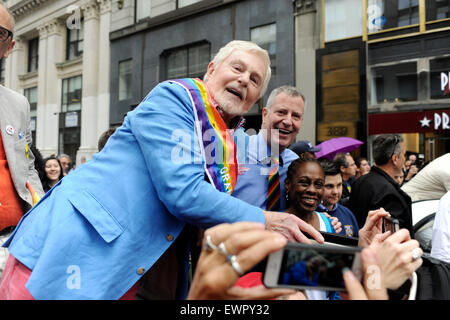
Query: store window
{"x": 31, "y": 95}
{"x": 343, "y": 19}
{"x": 394, "y": 83}
{"x": 388, "y": 14}
{"x": 142, "y": 9}
{"x": 75, "y": 42}
{"x": 408, "y": 12}
{"x": 125, "y": 79}
{"x": 191, "y": 61}
{"x": 440, "y": 78}
{"x": 71, "y": 94}
{"x": 266, "y": 38}
{"x": 33, "y": 54}
{"x": 437, "y": 9}
{"x": 70, "y": 117}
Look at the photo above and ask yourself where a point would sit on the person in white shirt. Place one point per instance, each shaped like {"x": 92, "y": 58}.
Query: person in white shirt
{"x": 441, "y": 230}
{"x": 432, "y": 182}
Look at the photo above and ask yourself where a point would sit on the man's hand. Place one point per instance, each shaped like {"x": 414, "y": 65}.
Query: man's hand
{"x": 372, "y": 227}
{"x": 290, "y": 225}
{"x": 335, "y": 223}
{"x": 357, "y": 291}
{"x": 395, "y": 258}
{"x": 215, "y": 277}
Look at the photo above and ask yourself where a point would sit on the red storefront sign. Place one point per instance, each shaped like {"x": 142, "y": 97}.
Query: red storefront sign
{"x": 437, "y": 121}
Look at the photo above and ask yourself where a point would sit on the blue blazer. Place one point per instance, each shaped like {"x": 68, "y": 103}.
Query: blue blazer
{"x": 95, "y": 233}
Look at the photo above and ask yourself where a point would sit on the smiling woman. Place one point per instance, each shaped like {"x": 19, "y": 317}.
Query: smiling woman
{"x": 304, "y": 185}
{"x": 53, "y": 173}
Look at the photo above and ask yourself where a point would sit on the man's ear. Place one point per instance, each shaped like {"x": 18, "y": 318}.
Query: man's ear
{"x": 395, "y": 158}
{"x": 264, "y": 113}
{"x": 210, "y": 70}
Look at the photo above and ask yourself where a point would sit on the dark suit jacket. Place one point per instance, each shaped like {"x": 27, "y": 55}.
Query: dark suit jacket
{"x": 378, "y": 190}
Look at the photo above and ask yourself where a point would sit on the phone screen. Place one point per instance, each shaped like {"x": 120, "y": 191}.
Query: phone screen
{"x": 316, "y": 266}
{"x": 390, "y": 224}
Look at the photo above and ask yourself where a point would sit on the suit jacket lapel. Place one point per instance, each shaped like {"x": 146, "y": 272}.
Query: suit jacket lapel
{"x": 6, "y": 120}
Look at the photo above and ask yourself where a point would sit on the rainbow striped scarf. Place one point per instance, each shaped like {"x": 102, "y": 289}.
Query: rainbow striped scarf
{"x": 217, "y": 147}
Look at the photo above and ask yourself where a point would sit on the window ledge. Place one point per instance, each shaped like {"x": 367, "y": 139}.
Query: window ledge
{"x": 29, "y": 75}
{"x": 69, "y": 63}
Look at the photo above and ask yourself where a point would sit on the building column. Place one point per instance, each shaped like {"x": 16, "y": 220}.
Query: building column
{"x": 307, "y": 34}
{"x": 104, "y": 67}
{"x": 89, "y": 102}
{"x": 15, "y": 65}
{"x": 42, "y": 118}
{"x": 53, "y": 53}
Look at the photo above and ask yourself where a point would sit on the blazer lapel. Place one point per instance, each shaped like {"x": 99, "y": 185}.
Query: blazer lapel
{"x": 5, "y": 121}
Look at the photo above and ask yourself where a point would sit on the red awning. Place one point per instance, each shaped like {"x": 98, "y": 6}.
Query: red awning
{"x": 410, "y": 122}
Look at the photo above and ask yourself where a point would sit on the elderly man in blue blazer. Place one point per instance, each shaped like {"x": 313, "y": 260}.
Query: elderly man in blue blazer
{"x": 103, "y": 227}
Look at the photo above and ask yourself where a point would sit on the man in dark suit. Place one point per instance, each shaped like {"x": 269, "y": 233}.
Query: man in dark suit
{"x": 20, "y": 186}
{"x": 346, "y": 164}
{"x": 378, "y": 189}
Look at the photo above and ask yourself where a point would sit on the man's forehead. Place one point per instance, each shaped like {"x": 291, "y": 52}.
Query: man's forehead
{"x": 245, "y": 58}
{"x": 5, "y": 18}
{"x": 280, "y": 101}
{"x": 336, "y": 179}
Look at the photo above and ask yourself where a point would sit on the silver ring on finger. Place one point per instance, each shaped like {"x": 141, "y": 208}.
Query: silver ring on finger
{"x": 232, "y": 259}
{"x": 209, "y": 245}
{"x": 222, "y": 249}
{"x": 416, "y": 254}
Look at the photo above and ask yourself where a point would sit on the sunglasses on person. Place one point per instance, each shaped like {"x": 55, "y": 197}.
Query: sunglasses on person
{"x": 5, "y": 34}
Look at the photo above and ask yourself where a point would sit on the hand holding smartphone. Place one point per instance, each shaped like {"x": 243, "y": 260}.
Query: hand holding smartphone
{"x": 390, "y": 224}
{"x": 314, "y": 267}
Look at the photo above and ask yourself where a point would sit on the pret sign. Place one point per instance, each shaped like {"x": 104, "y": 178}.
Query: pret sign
{"x": 445, "y": 85}
{"x": 437, "y": 121}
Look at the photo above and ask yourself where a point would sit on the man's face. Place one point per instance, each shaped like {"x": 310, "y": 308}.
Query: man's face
{"x": 332, "y": 191}
{"x": 399, "y": 177}
{"x": 65, "y": 164}
{"x": 6, "y": 23}
{"x": 350, "y": 171}
{"x": 364, "y": 167}
{"x": 236, "y": 83}
{"x": 407, "y": 164}
{"x": 283, "y": 120}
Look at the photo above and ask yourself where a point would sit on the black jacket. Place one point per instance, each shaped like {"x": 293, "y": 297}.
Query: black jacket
{"x": 378, "y": 190}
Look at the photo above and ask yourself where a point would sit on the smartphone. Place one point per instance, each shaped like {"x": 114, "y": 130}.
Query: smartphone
{"x": 391, "y": 224}
{"x": 335, "y": 238}
{"x": 311, "y": 266}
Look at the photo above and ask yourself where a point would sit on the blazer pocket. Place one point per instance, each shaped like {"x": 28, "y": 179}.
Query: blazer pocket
{"x": 97, "y": 215}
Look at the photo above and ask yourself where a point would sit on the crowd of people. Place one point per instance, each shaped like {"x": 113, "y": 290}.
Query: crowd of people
{"x": 181, "y": 203}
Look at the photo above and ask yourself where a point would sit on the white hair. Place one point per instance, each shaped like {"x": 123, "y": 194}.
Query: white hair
{"x": 247, "y": 46}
